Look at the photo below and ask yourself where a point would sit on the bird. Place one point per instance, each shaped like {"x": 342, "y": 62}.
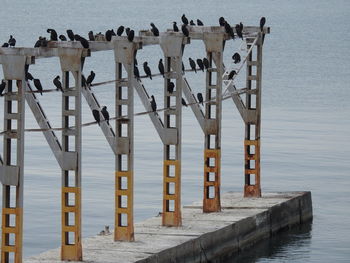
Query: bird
{"x": 136, "y": 72}
{"x": 120, "y": 30}
{"x": 231, "y": 74}
{"x": 112, "y": 32}
{"x": 147, "y": 70}
{"x": 12, "y": 41}
{"x": 154, "y": 30}
{"x": 57, "y": 83}
{"x": 200, "y": 98}
{"x": 96, "y": 115}
{"x": 183, "y": 102}
{"x": 83, "y": 81}
{"x": 228, "y": 30}
{"x": 222, "y": 21}
{"x": 171, "y": 87}
{"x": 184, "y": 19}
{"x": 91, "y": 36}
{"x": 161, "y": 67}
{"x": 236, "y": 58}
{"x": 2, "y": 87}
{"x": 53, "y": 34}
{"x": 38, "y": 43}
{"x": 90, "y": 78}
{"x": 200, "y": 64}
{"x": 192, "y": 23}
{"x": 5, "y": 44}
{"x": 127, "y": 31}
{"x": 185, "y": 30}
{"x": 206, "y": 63}
{"x": 62, "y": 38}
{"x": 108, "y": 35}
{"x": 38, "y": 86}
{"x": 41, "y": 42}
{"x": 262, "y": 23}
{"x": 175, "y": 28}
{"x": 199, "y": 23}
{"x": 70, "y": 34}
{"x": 153, "y": 104}
{"x": 105, "y": 114}
{"x": 82, "y": 40}
{"x": 241, "y": 26}
{"x": 131, "y": 35}
{"x": 239, "y": 31}
{"x": 192, "y": 64}
{"x": 29, "y": 76}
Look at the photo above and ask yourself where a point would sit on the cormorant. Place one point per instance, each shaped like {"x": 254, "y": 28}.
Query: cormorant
{"x": 241, "y": 26}
{"x": 108, "y": 35}
{"x": 53, "y": 34}
{"x": 154, "y": 30}
{"x": 105, "y": 114}
{"x": 29, "y": 76}
{"x": 262, "y": 23}
{"x": 12, "y": 41}
{"x": 161, "y": 67}
{"x": 120, "y": 30}
{"x": 127, "y": 31}
{"x": 228, "y": 30}
{"x": 199, "y": 23}
{"x": 38, "y": 86}
{"x": 206, "y": 63}
{"x": 62, "y": 37}
{"x": 183, "y": 102}
{"x": 70, "y": 34}
{"x": 239, "y": 31}
{"x": 5, "y": 44}
{"x": 222, "y": 21}
{"x": 136, "y": 72}
{"x": 91, "y": 36}
{"x": 147, "y": 70}
{"x": 112, "y": 32}
{"x": 131, "y": 35}
{"x": 200, "y": 64}
{"x": 2, "y": 87}
{"x": 44, "y": 42}
{"x": 236, "y": 58}
{"x": 231, "y": 74}
{"x": 200, "y": 98}
{"x": 96, "y": 115}
{"x": 185, "y": 30}
{"x": 192, "y": 64}
{"x": 184, "y": 19}
{"x": 38, "y": 43}
{"x": 57, "y": 83}
{"x": 175, "y": 28}
{"x": 171, "y": 87}
{"x": 90, "y": 78}
{"x": 153, "y": 104}
{"x": 82, "y": 40}
{"x": 192, "y": 23}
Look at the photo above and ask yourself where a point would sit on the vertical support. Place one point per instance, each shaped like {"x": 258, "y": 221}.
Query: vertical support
{"x": 12, "y": 199}
{"x": 172, "y": 46}
{"x": 125, "y": 53}
{"x": 252, "y": 187}
{"x": 214, "y": 44}
{"x": 71, "y": 62}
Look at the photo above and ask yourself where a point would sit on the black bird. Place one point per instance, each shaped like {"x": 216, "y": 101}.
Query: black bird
{"x": 185, "y": 30}
{"x": 105, "y": 114}
{"x": 112, "y": 32}
{"x": 12, "y": 41}
{"x": 154, "y": 30}
{"x": 262, "y": 23}
{"x": 176, "y": 29}
{"x": 120, "y": 30}
{"x": 70, "y": 34}
{"x": 83, "y": 41}
{"x": 108, "y": 35}
{"x": 5, "y": 44}
{"x": 231, "y": 74}
{"x": 171, "y": 87}
{"x": 57, "y": 83}
{"x": 90, "y": 78}
{"x": 241, "y": 26}
{"x": 192, "y": 23}
{"x": 222, "y": 21}
{"x": 29, "y": 76}
{"x": 161, "y": 67}
{"x": 136, "y": 72}
{"x": 200, "y": 64}
{"x": 2, "y": 87}
{"x": 229, "y": 30}
{"x": 38, "y": 43}
{"x": 62, "y": 37}
{"x": 131, "y": 35}
{"x": 83, "y": 81}
{"x": 41, "y": 42}
{"x": 199, "y": 23}
{"x": 127, "y": 31}
{"x": 236, "y": 58}
{"x": 183, "y": 102}
{"x": 200, "y": 98}
{"x": 91, "y": 36}
{"x": 53, "y": 34}
{"x": 206, "y": 63}
{"x": 153, "y": 104}
{"x": 38, "y": 86}
{"x": 239, "y": 31}
{"x": 96, "y": 115}
{"x": 192, "y": 64}
{"x": 147, "y": 70}
{"x": 184, "y": 19}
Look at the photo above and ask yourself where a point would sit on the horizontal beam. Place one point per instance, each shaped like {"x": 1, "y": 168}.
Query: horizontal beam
{"x": 40, "y": 52}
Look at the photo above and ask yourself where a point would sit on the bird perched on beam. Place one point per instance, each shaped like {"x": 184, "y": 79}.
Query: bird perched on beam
{"x": 153, "y": 104}
{"x": 192, "y": 64}
{"x": 161, "y": 67}
{"x": 82, "y": 40}
{"x": 12, "y": 41}
{"x": 105, "y": 114}
{"x": 108, "y": 35}
{"x": 56, "y": 81}
{"x": 38, "y": 86}
{"x": 53, "y": 34}
{"x": 83, "y": 81}
{"x": 127, "y": 31}
{"x": 200, "y": 98}
{"x": 236, "y": 58}
{"x": 29, "y": 76}
{"x": 222, "y": 21}
{"x": 200, "y": 64}
{"x": 171, "y": 87}
{"x": 120, "y": 30}
{"x": 229, "y": 30}
{"x": 231, "y": 74}
{"x": 70, "y": 34}
{"x": 2, "y": 87}
{"x": 206, "y": 63}
{"x": 239, "y": 31}
{"x": 199, "y": 23}
{"x": 131, "y": 35}
{"x": 175, "y": 28}
{"x": 62, "y": 38}
{"x": 184, "y": 30}
{"x": 183, "y": 102}
{"x": 91, "y": 36}
{"x": 90, "y": 78}
{"x": 96, "y": 115}
{"x": 5, "y": 44}
{"x": 262, "y": 23}
{"x": 136, "y": 72}
{"x": 192, "y": 23}
{"x": 184, "y": 19}
{"x": 154, "y": 30}
{"x": 147, "y": 70}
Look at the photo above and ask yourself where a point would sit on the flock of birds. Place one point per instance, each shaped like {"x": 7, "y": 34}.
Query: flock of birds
{"x": 203, "y": 64}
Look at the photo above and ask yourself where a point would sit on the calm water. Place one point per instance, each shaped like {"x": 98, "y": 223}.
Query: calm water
{"x": 305, "y": 118}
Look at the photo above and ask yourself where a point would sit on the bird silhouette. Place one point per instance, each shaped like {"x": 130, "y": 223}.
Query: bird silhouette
{"x": 5, "y": 44}
{"x": 199, "y": 23}
{"x": 161, "y": 67}
{"x": 200, "y": 64}
{"x": 153, "y": 104}
{"x": 154, "y": 30}
{"x": 262, "y": 23}
{"x": 120, "y": 30}
{"x": 96, "y": 115}
{"x": 184, "y": 19}
{"x": 82, "y": 40}
{"x": 108, "y": 35}
{"x": 91, "y": 36}
{"x": 62, "y": 38}
{"x": 171, "y": 87}
{"x": 192, "y": 23}
{"x": 136, "y": 72}
{"x": 231, "y": 74}
{"x": 206, "y": 63}
{"x": 200, "y": 98}
{"x": 53, "y": 34}
{"x": 192, "y": 64}
{"x": 183, "y": 102}
{"x": 184, "y": 30}
{"x": 131, "y": 35}
{"x": 175, "y": 28}
{"x": 222, "y": 21}
{"x": 239, "y": 31}
{"x": 236, "y": 58}
{"x": 12, "y": 41}
{"x": 29, "y": 76}
{"x": 56, "y": 81}
{"x": 70, "y": 34}
{"x": 90, "y": 78}
{"x": 127, "y": 31}
{"x": 2, "y": 87}
{"x": 38, "y": 86}
{"x": 83, "y": 81}
{"x": 229, "y": 30}
{"x": 105, "y": 114}
{"x": 147, "y": 70}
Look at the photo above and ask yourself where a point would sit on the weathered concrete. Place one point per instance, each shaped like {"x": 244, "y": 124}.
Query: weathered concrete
{"x": 203, "y": 237}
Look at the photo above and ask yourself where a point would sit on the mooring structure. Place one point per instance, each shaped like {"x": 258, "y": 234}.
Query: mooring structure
{"x": 67, "y": 151}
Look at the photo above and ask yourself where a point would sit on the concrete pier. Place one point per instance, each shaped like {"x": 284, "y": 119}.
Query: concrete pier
{"x": 203, "y": 236}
